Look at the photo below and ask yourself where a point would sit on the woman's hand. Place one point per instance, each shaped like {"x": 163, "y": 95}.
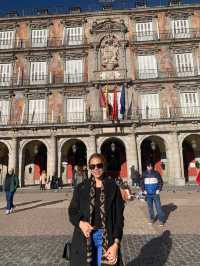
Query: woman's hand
{"x": 86, "y": 228}
{"x": 111, "y": 253}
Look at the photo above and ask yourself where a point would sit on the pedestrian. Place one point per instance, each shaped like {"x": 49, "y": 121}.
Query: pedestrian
{"x": 85, "y": 172}
{"x": 43, "y": 180}
{"x": 96, "y": 211}
{"x": 78, "y": 175}
{"x": 10, "y": 186}
{"x": 151, "y": 185}
{"x": 135, "y": 176}
{"x": 60, "y": 183}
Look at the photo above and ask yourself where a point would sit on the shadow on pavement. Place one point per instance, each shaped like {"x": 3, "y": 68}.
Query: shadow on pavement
{"x": 167, "y": 209}
{"x": 22, "y": 204}
{"x": 40, "y": 205}
{"x": 155, "y": 252}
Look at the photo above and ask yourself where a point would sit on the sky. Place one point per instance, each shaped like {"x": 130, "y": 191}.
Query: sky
{"x": 10, "y": 5}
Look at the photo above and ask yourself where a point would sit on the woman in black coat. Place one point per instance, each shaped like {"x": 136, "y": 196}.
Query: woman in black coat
{"x": 96, "y": 211}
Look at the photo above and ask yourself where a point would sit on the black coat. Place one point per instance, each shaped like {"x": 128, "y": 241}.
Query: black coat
{"x": 79, "y": 210}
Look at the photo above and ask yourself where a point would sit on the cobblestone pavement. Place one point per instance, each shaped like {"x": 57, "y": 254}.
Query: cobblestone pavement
{"x": 36, "y": 232}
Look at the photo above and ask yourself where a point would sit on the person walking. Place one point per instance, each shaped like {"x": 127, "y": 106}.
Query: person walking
{"x": 43, "y": 180}
{"x": 151, "y": 185}
{"x": 78, "y": 175}
{"x": 10, "y": 187}
{"x": 96, "y": 211}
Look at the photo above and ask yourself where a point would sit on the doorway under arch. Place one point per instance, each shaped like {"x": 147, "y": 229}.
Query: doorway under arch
{"x": 73, "y": 153}
{"x": 114, "y": 151}
{"x": 4, "y": 155}
{"x": 191, "y": 157}
{"x": 34, "y": 161}
{"x": 153, "y": 149}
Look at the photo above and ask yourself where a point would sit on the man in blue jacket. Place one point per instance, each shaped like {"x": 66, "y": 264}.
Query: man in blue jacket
{"x": 151, "y": 185}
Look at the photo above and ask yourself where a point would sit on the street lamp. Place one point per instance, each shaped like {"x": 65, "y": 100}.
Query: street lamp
{"x": 153, "y": 145}
{"x": 113, "y": 147}
{"x": 36, "y": 149}
{"x": 194, "y": 144}
{"x": 74, "y": 148}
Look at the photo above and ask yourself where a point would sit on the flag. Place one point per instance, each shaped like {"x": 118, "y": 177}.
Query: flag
{"x": 122, "y": 100}
{"x": 198, "y": 179}
{"x": 114, "y": 107}
{"x": 102, "y": 98}
{"x": 129, "y": 112}
{"x": 106, "y": 95}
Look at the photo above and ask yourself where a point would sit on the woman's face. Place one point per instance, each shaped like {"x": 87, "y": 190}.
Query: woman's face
{"x": 96, "y": 166}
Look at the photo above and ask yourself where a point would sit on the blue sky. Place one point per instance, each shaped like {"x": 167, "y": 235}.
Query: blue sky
{"x": 6, "y": 5}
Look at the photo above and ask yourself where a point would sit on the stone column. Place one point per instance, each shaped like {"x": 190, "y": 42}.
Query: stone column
{"x": 13, "y": 159}
{"x": 131, "y": 153}
{"x": 176, "y": 175}
{"x": 52, "y": 157}
{"x": 92, "y": 146}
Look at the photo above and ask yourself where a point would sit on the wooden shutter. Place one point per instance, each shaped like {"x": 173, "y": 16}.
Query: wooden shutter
{"x": 147, "y": 66}
{"x": 7, "y": 39}
{"x": 38, "y": 73}
{"x": 180, "y": 28}
{"x": 37, "y": 111}
{"x": 4, "y": 112}
{"x": 74, "y": 71}
{"x": 39, "y": 37}
{"x": 76, "y": 109}
{"x": 144, "y": 31}
{"x": 184, "y": 64}
{"x": 150, "y": 106}
{"x": 5, "y": 74}
{"x": 190, "y": 104}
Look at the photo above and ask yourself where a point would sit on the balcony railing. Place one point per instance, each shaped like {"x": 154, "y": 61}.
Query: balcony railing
{"x": 42, "y": 42}
{"x": 40, "y": 79}
{"x": 180, "y": 73}
{"x": 74, "y": 118}
{"x": 187, "y": 33}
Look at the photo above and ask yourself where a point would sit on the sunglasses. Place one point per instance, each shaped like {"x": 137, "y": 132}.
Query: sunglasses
{"x": 98, "y": 166}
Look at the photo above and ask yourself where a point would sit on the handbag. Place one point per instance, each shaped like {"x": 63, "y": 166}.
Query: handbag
{"x": 67, "y": 251}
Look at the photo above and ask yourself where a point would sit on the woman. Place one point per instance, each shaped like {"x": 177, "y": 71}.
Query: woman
{"x": 96, "y": 211}
{"x": 78, "y": 175}
{"x": 43, "y": 180}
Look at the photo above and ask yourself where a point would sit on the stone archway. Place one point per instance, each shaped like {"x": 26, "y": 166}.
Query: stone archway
{"x": 34, "y": 161}
{"x": 4, "y": 155}
{"x": 115, "y": 153}
{"x": 73, "y": 153}
{"x": 191, "y": 156}
{"x": 153, "y": 148}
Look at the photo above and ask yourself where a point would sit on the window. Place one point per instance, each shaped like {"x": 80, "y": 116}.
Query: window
{"x": 184, "y": 64}
{"x": 38, "y": 73}
{"x": 73, "y": 36}
{"x": 7, "y": 39}
{"x": 5, "y": 74}
{"x": 150, "y": 106}
{"x": 39, "y": 37}
{"x": 190, "y": 104}
{"x": 180, "y": 28}
{"x": 147, "y": 66}
{"x": 76, "y": 110}
{"x": 144, "y": 31}
{"x": 74, "y": 71}
{"x": 4, "y": 112}
{"x": 37, "y": 111}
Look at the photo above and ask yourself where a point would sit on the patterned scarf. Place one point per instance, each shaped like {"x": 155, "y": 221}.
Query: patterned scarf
{"x": 103, "y": 219}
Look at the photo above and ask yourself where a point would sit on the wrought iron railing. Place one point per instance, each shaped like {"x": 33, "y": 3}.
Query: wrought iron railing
{"x": 75, "y": 118}
{"x": 187, "y": 33}
{"x": 42, "y": 42}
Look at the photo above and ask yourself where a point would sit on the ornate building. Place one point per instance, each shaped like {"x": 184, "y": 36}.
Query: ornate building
{"x": 122, "y": 82}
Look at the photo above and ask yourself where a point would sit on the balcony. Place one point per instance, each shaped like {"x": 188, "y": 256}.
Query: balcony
{"x": 183, "y": 72}
{"x": 151, "y": 36}
{"x": 40, "y": 79}
{"x": 83, "y": 118}
{"x": 39, "y": 43}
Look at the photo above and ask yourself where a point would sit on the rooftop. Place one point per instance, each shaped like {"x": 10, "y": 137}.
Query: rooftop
{"x": 79, "y": 6}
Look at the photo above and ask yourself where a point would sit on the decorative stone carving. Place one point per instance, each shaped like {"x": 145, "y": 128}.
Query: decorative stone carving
{"x": 109, "y": 52}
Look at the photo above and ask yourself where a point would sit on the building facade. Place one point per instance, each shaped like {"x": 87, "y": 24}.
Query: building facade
{"x": 122, "y": 82}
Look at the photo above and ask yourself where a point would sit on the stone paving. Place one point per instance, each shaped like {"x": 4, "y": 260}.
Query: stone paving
{"x": 36, "y": 232}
